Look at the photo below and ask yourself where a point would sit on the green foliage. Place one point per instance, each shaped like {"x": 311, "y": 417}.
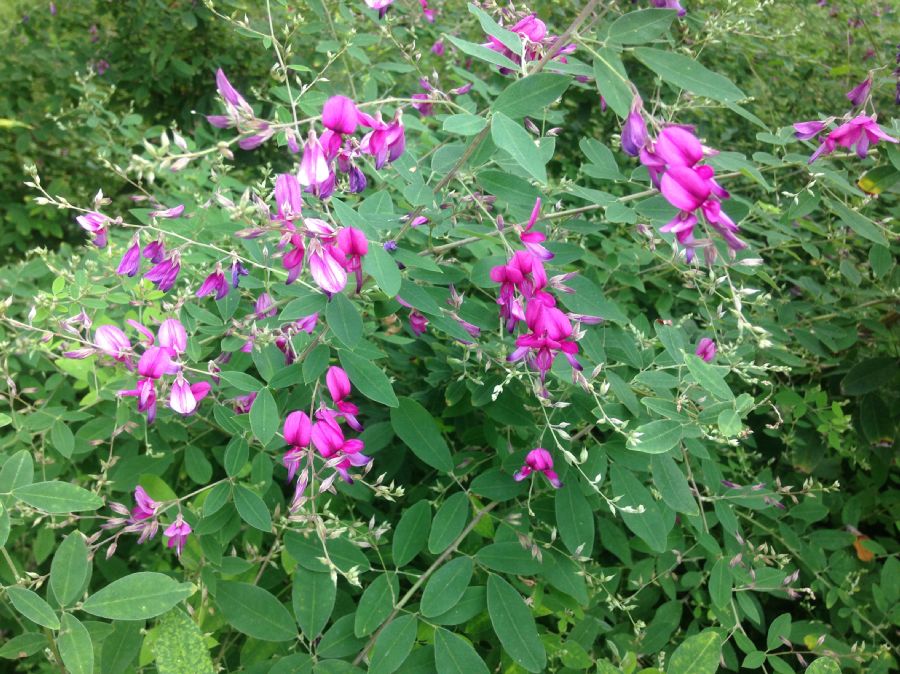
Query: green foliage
{"x": 736, "y": 515}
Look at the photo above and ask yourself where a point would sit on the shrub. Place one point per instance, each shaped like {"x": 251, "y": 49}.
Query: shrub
{"x": 414, "y": 359}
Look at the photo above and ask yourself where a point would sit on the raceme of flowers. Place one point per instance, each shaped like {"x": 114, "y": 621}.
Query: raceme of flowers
{"x": 524, "y": 297}
{"x": 159, "y": 360}
{"x": 857, "y": 130}
{"x": 327, "y": 435}
{"x": 673, "y": 161}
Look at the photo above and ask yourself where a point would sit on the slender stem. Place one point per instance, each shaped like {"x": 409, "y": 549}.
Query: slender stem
{"x": 430, "y": 570}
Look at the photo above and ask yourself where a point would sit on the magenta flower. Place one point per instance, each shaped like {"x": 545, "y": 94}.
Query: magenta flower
{"x": 95, "y": 224}
{"x": 156, "y": 362}
{"x": 230, "y": 94}
{"x": 418, "y": 323}
{"x": 807, "y": 130}
{"x": 172, "y": 336}
{"x": 265, "y": 306}
{"x": 112, "y": 341}
{"x": 314, "y": 171}
{"x": 145, "y": 392}
{"x": 177, "y": 534}
{"x": 352, "y": 242}
{"x": 145, "y": 507}
{"x": 242, "y": 404}
{"x": 357, "y": 180}
{"x": 339, "y": 115}
{"x": 386, "y": 142}
{"x": 130, "y": 264}
{"x": 327, "y": 264}
{"x": 297, "y": 429}
{"x": 634, "y": 131}
{"x": 237, "y": 270}
{"x": 181, "y": 398}
{"x": 438, "y": 48}
{"x": 860, "y": 93}
{"x": 706, "y": 349}
{"x": 861, "y": 132}
{"x": 539, "y": 460}
{"x": 293, "y": 259}
{"x": 423, "y": 103}
{"x": 214, "y": 283}
{"x": 154, "y": 251}
{"x": 338, "y": 383}
{"x": 670, "y": 4}
{"x": 288, "y": 197}
{"x": 170, "y": 213}
{"x": 328, "y": 439}
{"x": 533, "y": 240}
{"x": 164, "y": 274}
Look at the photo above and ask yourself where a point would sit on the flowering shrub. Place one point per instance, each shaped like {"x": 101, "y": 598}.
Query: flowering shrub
{"x": 395, "y": 374}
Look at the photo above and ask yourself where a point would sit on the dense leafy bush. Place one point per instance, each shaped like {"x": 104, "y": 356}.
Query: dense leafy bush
{"x": 412, "y": 358}
{"x": 80, "y": 84}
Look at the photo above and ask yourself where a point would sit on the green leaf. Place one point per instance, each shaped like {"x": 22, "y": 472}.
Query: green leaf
{"x": 411, "y": 533}
{"x": 508, "y": 557}
{"x": 530, "y": 95}
{"x": 869, "y": 375}
{"x": 454, "y": 654}
{"x": 612, "y": 81}
{"x": 138, "y": 596}
{"x": 446, "y": 587}
{"x": 241, "y": 381}
{"x": 483, "y": 53}
{"x": 575, "y": 520}
{"x": 383, "y": 269}
{"x": 641, "y": 26}
{"x": 698, "y": 654}
{"x": 344, "y": 320}
{"x": 464, "y": 124}
{"x": 23, "y": 645}
{"x": 62, "y": 438}
{"x": 121, "y": 647}
{"x": 18, "y": 471}
{"x": 673, "y": 485}
{"x": 657, "y": 437}
{"x": 514, "y": 625}
{"x": 376, "y": 603}
{"x": 515, "y": 140}
{"x": 708, "y": 377}
{"x": 449, "y": 521}
{"x": 255, "y": 612}
{"x": 237, "y": 452}
{"x": 30, "y": 605}
{"x": 368, "y": 378}
{"x": 69, "y": 569}
{"x": 858, "y": 222}
{"x": 686, "y": 73}
{"x": 252, "y": 509}
{"x": 729, "y": 423}
{"x": 779, "y": 629}
{"x": 312, "y": 596}
{"x": 57, "y": 497}
{"x": 823, "y": 666}
{"x": 179, "y": 646}
{"x": 75, "y": 647}
{"x": 754, "y": 660}
{"x": 264, "y": 418}
{"x": 419, "y": 431}
{"x": 720, "y": 584}
{"x": 393, "y": 645}
{"x": 339, "y": 641}
{"x": 316, "y": 363}
{"x": 649, "y": 526}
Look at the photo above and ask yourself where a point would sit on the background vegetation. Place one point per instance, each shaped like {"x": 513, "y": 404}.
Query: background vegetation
{"x": 765, "y": 578}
